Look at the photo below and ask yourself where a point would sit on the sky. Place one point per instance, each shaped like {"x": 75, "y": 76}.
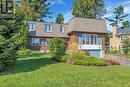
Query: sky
{"x": 65, "y": 7}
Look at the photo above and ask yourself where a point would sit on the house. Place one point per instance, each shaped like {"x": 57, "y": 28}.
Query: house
{"x": 88, "y": 34}
{"x": 117, "y": 37}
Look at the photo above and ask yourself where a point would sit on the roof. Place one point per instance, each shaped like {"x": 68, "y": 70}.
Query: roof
{"x": 87, "y": 25}
{"x": 74, "y": 25}
{"x": 122, "y": 30}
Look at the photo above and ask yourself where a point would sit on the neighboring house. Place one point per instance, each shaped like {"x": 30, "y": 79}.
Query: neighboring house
{"x": 88, "y": 34}
{"x": 117, "y": 37}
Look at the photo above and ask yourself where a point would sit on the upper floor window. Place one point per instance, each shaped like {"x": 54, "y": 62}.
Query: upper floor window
{"x": 48, "y": 28}
{"x": 61, "y": 29}
{"x": 32, "y": 27}
{"x": 36, "y": 41}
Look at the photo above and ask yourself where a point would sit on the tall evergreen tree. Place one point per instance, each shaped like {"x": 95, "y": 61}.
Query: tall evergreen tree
{"x": 88, "y": 8}
{"x": 9, "y": 34}
{"x": 60, "y": 19}
{"x": 118, "y": 16}
{"x": 41, "y": 6}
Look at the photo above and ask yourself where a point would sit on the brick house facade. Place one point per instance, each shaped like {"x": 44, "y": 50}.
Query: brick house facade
{"x": 88, "y": 34}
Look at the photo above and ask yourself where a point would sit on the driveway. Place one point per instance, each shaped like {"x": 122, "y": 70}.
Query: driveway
{"x": 123, "y": 61}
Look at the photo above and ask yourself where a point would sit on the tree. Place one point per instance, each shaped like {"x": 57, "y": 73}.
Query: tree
{"x": 126, "y": 24}
{"x": 57, "y": 48}
{"x": 119, "y": 16}
{"x": 60, "y": 19}
{"x": 30, "y": 10}
{"x": 88, "y": 9}
{"x": 9, "y": 34}
{"x": 126, "y": 45}
{"x": 33, "y": 9}
{"x": 41, "y": 6}
{"x": 107, "y": 38}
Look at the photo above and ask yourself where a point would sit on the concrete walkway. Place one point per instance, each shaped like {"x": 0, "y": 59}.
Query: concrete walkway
{"x": 122, "y": 60}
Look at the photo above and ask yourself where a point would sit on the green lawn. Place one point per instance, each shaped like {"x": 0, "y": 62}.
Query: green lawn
{"x": 41, "y": 71}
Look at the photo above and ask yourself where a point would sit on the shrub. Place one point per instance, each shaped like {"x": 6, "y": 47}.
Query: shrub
{"x": 87, "y": 53}
{"x": 76, "y": 55}
{"x": 57, "y": 48}
{"x": 90, "y": 61}
{"x": 126, "y": 45}
{"x": 112, "y": 61}
{"x": 113, "y": 52}
{"x": 24, "y": 52}
{"x": 64, "y": 58}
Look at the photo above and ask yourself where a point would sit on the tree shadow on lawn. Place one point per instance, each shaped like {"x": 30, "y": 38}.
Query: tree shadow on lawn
{"x": 28, "y": 65}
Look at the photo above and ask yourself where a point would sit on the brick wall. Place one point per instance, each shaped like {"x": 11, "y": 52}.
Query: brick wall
{"x": 43, "y": 47}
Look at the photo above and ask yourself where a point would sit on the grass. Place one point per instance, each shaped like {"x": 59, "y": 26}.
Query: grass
{"x": 41, "y": 71}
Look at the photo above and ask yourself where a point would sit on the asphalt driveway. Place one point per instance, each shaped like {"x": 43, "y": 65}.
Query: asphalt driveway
{"x": 122, "y": 60}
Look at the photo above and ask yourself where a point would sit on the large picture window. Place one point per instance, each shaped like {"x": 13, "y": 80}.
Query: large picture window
{"x": 89, "y": 39}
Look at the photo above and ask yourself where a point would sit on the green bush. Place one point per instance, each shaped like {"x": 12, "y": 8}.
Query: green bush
{"x": 87, "y": 53}
{"x": 77, "y": 55}
{"x": 113, "y": 52}
{"x": 90, "y": 61}
{"x": 64, "y": 58}
{"x": 24, "y": 52}
{"x": 57, "y": 48}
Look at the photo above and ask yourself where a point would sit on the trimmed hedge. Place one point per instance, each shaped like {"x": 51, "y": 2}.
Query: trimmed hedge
{"x": 90, "y": 61}
{"x": 24, "y": 52}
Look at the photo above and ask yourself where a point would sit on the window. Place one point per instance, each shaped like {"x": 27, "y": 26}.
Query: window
{"x": 61, "y": 29}
{"x": 46, "y": 41}
{"x": 89, "y": 39}
{"x": 48, "y": 28}
{"x": 84, "y": 40}
{"x": 36, "y": 42}
{"x": 32, "y": 27}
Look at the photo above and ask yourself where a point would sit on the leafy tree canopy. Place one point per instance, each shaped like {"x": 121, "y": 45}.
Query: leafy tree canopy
{"x": 60, "y": 19}
{"x": 126, "y": 24}
{"x": 88, "y": 8}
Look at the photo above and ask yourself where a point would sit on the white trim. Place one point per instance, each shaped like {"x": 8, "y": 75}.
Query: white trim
{"x": 93, "y": 47}
{"x": 62, "y": 29}
{"x": 32, "y": 27}
{"x": 90, "y": 47}
{"x": 47, "y": 28}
